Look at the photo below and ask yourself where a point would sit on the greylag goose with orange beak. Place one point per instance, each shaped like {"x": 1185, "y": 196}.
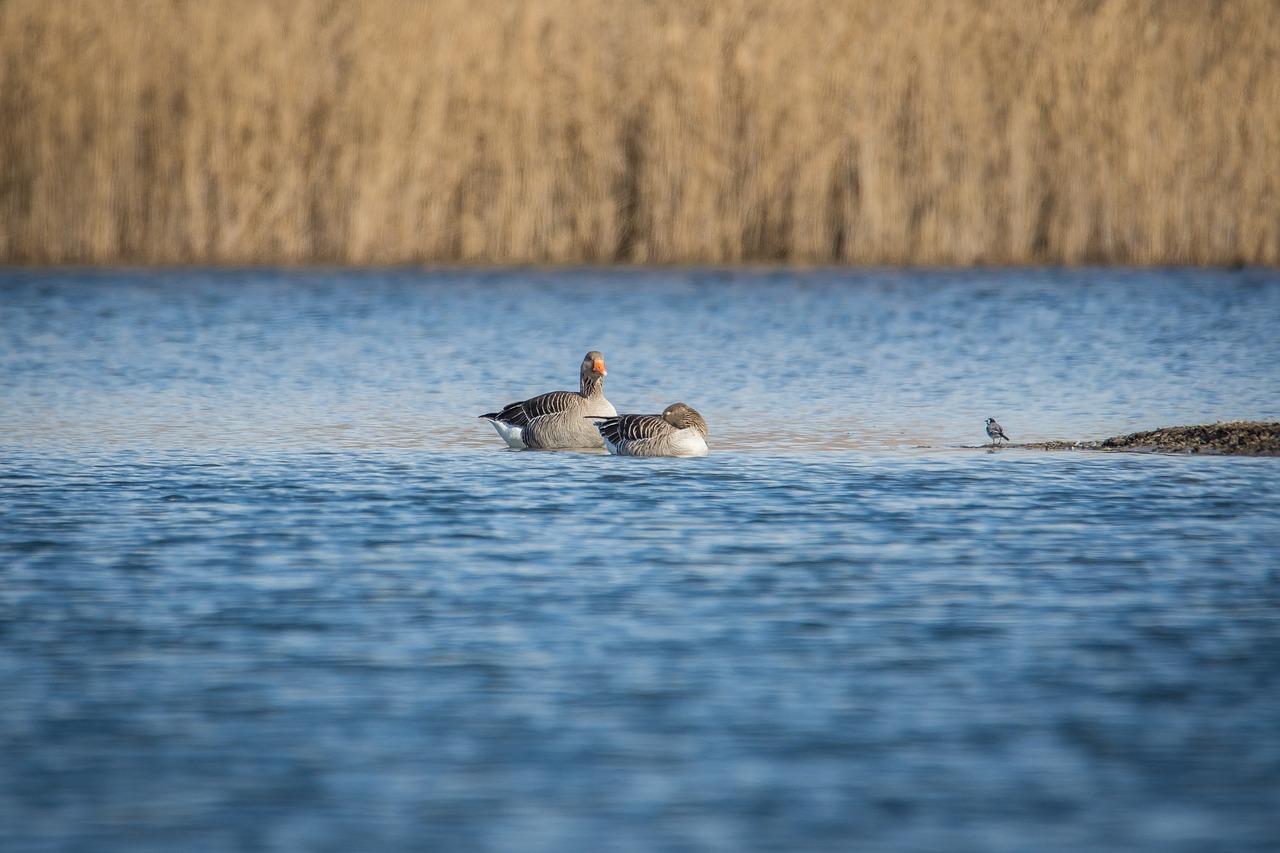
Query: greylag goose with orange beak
{"x": 556, "y": 421}
{"x": 678, "y": 431}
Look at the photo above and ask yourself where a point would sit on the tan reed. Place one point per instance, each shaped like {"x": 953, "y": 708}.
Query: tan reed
{"x": 656, "y": 131}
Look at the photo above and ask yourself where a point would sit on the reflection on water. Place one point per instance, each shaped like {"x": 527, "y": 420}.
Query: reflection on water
{"x": 267, "y": 583}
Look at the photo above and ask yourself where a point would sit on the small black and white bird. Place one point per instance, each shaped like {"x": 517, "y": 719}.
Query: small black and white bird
{"x": 995, "y": 432}
{"x": 678, "y": 431}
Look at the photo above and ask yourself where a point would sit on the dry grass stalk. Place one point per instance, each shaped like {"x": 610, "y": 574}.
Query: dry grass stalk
{"x": 673, "y": 131}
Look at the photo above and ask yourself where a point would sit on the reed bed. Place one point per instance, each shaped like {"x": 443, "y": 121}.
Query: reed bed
{"x": 664, "y": 131}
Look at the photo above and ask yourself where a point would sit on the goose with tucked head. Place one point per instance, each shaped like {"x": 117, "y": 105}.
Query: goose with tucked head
{"x": 678, "y": 431}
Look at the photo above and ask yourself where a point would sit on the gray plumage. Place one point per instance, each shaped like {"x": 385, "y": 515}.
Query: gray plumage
{"x": 995, "y": 432}
{"x": 554, "y": 421}
{"x": 678, "y": 431}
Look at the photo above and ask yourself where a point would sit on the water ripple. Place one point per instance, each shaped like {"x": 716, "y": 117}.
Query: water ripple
{"x": 266, "y": 582}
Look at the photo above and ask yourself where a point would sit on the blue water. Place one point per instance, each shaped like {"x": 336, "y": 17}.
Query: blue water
{"x": 266, "y": 583}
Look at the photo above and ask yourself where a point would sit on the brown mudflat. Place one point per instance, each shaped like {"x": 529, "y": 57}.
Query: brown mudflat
{"x": 1238, "y": 438}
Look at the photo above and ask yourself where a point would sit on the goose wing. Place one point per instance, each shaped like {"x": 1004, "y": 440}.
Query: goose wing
{"x": 624, "y": 429}
{"x": 525, "y": 412}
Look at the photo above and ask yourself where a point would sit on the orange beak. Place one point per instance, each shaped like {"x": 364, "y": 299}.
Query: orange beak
{"x": 599, "y": 367}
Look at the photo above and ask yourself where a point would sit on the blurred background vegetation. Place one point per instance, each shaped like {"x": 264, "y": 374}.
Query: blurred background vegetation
{"x": 652, "y": 131}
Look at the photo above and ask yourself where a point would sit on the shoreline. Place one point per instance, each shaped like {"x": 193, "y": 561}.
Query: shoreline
{"x": 1233, "y": 438}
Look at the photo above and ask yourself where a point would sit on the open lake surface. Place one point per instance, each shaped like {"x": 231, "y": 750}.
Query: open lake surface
{"x": 267, "y": 583}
